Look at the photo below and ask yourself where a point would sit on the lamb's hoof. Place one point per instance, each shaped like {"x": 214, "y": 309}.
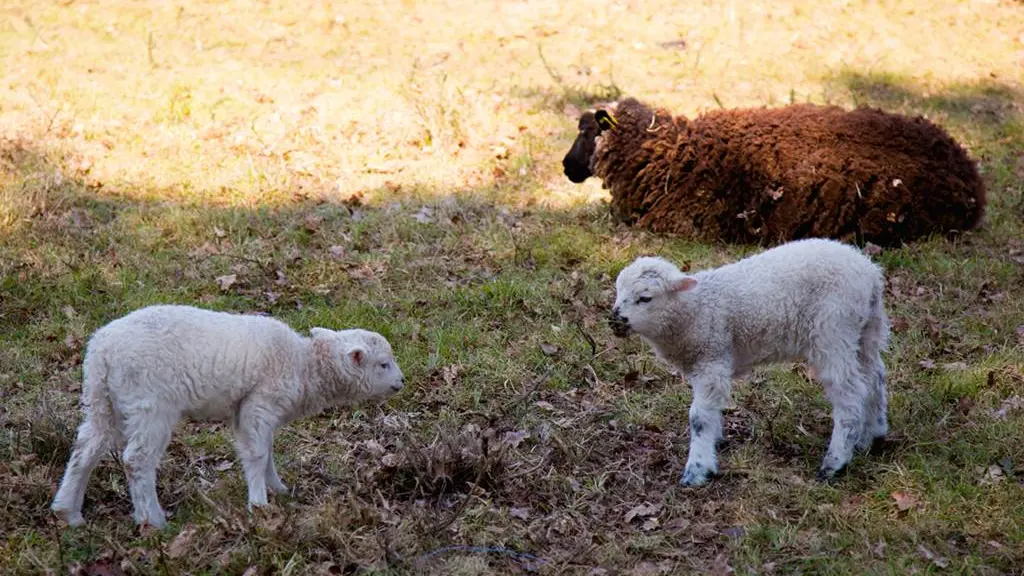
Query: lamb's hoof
{"x": 695, "y": 475}
{"x": 878, "y": 445}
{"x": 156, "y": 521}
{"x": 827, "y": 475}
{"x": 152, "y": 523}
{"x": 870, "y": 446}
{"x": 258, "y": 506}
{"x": 73, "y": 519}
{"x": 280, "y": 489}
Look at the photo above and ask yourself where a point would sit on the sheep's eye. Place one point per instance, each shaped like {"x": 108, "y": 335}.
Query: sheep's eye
{"x": 643, "y": 299}
{"x": 384, "y": 365}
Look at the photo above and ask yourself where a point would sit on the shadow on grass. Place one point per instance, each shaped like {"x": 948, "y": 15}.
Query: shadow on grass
{"x": 986, "y": 104}
{"x": 986, "y": 115}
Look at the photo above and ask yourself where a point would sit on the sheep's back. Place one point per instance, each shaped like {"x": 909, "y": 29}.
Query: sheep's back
{"x": 198, "y": 361}
{"x": 770, "y": 175}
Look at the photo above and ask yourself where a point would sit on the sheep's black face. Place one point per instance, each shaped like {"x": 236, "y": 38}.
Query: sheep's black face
{"x": 576, "y": 163}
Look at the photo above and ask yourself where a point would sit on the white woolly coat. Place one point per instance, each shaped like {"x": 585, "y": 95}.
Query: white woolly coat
{"x": 767, "y": 307}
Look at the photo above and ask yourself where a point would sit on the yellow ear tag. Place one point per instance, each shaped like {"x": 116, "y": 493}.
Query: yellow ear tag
{"x": 605, "y": 120}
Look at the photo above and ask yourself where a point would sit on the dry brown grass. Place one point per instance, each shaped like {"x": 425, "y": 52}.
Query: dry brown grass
{"x": 395, "y": 165}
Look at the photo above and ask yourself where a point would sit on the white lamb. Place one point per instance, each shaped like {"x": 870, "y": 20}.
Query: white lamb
{"x": 814, "y": 300}
{"x": 146, "y": 371}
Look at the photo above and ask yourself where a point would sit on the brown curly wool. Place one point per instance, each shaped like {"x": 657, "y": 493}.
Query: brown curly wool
{"x": 772, "y": 175}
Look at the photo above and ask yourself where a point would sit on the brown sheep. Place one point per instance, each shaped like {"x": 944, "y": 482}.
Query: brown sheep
{"x": 766, "y": 176}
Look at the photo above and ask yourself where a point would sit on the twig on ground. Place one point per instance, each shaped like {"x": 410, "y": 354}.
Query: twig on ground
{"x": 514, "y": 554}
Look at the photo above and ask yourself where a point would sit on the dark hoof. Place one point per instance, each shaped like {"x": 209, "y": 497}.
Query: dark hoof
{"x": 879, "y": 445}
{"x": 828, "y": 475}
{"x": 695, "y": 476}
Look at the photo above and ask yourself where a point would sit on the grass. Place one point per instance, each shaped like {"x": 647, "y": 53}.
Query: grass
{"x": 396, "y": 166}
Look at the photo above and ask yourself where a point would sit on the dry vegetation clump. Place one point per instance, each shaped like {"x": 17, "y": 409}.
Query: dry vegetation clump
{"x": 449, "y": 463}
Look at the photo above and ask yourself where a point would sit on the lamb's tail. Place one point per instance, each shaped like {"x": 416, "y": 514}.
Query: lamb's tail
{"x": 874, "y": 339}
{"x": 96, "y": 436}
{"x": 97, "y": 404}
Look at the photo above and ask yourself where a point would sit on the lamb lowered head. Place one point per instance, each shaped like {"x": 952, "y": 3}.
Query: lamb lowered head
{"x": 578, "y": 164}
{"x": 356, "y": 364}
{"x": 641, "y": 292}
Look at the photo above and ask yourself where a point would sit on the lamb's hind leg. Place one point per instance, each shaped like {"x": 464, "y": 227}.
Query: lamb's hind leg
{"x": 254, "y": 433}
{"x": 90, "y": 445}
{"x": 876, "y": 406}
{"x": 147, "y": 434}
{"x": 711, "y": 388}
{"x": 847, "y": 390}
{"x": 273, "y": 480}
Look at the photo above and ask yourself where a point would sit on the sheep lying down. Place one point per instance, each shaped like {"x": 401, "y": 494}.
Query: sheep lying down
{"x": 771, "y": 175}
{"x": 814, "y": 300}
{"x": 148, "y": 370}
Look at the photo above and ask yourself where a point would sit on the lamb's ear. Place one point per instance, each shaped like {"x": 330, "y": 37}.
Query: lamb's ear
{"x": 605, "y": 120}
{"x": 357, "y": 355}
{"x": 682, "y": 284}
{"x": 321, "y": 333}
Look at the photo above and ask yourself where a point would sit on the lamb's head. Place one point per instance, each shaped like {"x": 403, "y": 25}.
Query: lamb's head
{"x": 358, "y": 363}
{"x": 578, "y": 164}
{"x": 641, "y": 292}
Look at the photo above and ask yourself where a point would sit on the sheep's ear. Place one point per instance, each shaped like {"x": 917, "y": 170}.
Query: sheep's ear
{"x": 357, "y": 355}
{"x": 605, "y": 120}
{"x": 683, "y": 284}
{"x": 320, "y": 332}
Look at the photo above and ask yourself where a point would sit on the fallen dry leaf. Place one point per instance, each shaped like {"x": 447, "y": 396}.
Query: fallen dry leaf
{"x": 927, "y": 364}
{"x": 937, "y": 560}
{"x": 899, "y": 324}
{"x": 521, "y": 513}
{"x": 101, "y": 568}
{"x": 549, "y": 349}
{"x": 514, "y": 439}
{"x": 1014, "y": 402}
{"x": 879, "y": 549}
{"x": 374, "y": 447}
{"x": 450, "y": 374}
{"x": 641, "y": 511}
{"x": 993, "y": 475}
{"x": 227, "y": 281}
{"x": 424, "y": 216}
{"x": 904, "y": 501}
{"x": 182, "y": 542}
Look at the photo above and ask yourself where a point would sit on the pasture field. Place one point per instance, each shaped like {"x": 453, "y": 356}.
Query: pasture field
{"x": 395, "y": 165}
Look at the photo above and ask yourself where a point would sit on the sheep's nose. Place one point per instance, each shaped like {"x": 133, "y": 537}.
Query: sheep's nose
{"x": 618, "y": 324}
{"x": 396, "y": 387}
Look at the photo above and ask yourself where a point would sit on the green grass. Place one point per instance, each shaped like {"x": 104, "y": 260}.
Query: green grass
{"x": 396, "y": 167}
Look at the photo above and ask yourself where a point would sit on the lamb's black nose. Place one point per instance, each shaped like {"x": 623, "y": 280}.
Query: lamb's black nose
{"x": 618, "y": 324}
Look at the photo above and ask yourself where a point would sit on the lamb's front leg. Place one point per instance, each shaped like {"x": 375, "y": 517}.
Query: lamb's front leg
{"x": 254, "y": 433}
{"x": 711, "y": 384}
{"x": 273, "y": 480}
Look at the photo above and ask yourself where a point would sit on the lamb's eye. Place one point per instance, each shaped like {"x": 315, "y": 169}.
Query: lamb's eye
{"x": 643, "y": 299}
{"x": 384, "y": 365}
